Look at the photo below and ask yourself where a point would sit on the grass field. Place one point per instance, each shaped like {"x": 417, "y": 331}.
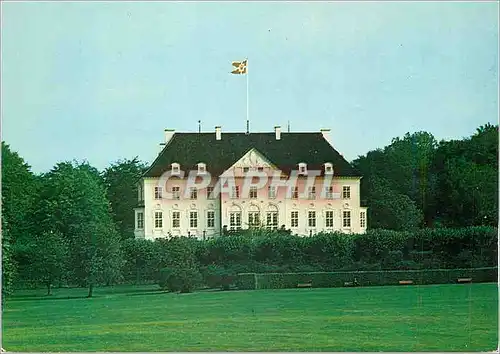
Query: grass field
{"x": 414, "y": 318}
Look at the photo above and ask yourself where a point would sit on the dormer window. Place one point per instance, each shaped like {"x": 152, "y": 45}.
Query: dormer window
{"x": 328, "y": 168}
{"x": 302, "y": 168}
{"x": 176, "y": 169}
{"x": 202, "y": 168}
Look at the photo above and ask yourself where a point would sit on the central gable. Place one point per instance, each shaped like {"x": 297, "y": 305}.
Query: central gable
{"x": 252, "y": 160}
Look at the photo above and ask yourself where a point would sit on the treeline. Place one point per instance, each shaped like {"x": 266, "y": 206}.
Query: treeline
{"x": 76, "y": 222}
{"x": 68, "y": 223}
{"x": 419, "y": 182}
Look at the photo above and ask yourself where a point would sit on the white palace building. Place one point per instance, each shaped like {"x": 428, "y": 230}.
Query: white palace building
{"x": 203, "y": 183}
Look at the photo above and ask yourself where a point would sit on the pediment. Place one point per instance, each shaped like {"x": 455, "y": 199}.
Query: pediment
{"x": 252, "y": 159}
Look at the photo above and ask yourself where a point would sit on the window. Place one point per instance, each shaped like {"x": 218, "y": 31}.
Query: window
{"x": 210, "y": 193}
{"x": 328, "y": 169}
{"x": 329, "y": 192}
{"x": 271, "y": 192}
{"x": 235, "y": 192}
{"x": 311, "y": 217}
{"x": 193, "y": 219}
{"x": 347, "y": 218}
{"x": 176, "y": 169}
{"x": 295, "y": 219}
{"x": 302, "y": 168}
{"x": 362, "y": 219}
{"x": 329, "y": 218}
{"x": 272, "y": 220}
{"x": 260, "y": 169}
{"x": 312, "y": 192}
{"x": 346, "y": 192}
{"x": 210, "y": 219}
{"x": 158, "y": 219}
{"x": 202, "y": 169}
{"x": 139, "y": 192}
{"x": 246, "y": 169}
{"x": 193, "y": 193}
{"x": 235, "y": 220}
{"x": 253, "y": 192}
{"x": 176, "y": 219}
{"x": 158, "y": 194}
{"x": 176, "y": 192}
{"x": 253, "y": 219}
{"x": 295, "y": 192}
{"x": 140, "y": 220}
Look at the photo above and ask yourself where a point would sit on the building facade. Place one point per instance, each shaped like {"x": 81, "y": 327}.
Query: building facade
{"x": 203, "y": 183}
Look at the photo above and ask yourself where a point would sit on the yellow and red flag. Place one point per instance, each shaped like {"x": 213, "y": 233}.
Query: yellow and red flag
{"x": 241, "y": 67}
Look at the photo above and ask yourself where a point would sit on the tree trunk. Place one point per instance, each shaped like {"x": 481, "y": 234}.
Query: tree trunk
{"x": 49, "y": 289}
{"x": 91, "y": 289}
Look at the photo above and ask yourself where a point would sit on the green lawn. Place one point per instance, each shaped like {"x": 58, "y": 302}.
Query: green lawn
{"x": 410, "y": 319}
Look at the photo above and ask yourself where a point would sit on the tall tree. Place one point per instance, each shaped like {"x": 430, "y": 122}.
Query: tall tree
{"x": 410, "y": 159}
{"x": 121, "y": 180}
{"x": 73, "y": 202}
{"x": 18, "y": 192}
{"x": 389, "y": 209}
{"x": 398, "y": 174}
{"x": 49, "y": 258}
{"x": 19, "y": 189}
{"x": 8, "y": 266}
{"x": 467, "y": 177}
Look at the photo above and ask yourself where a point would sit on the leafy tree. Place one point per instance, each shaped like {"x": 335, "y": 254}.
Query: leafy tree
{"x": 410, "y": 159}
{"x": 8, "y": 266}
{"x": 405, "y": 165}
{"x": 142, "y": 260}
{"x": 73, "y": 202}
{"x": 467, "y": 179}
{"x": 18, "y": 190}
{"x": 121, "y": 180}
{"x": 390, "y": 209}
{"x": 49, "y": 258}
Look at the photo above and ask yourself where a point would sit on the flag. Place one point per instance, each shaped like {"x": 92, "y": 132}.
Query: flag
{"x": 241, "y": 67}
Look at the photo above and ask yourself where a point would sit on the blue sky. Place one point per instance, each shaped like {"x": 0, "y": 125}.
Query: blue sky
{"x": 100, "y": 81}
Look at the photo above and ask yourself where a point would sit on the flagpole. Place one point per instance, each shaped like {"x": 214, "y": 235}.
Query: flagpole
{"x": 248, "y": 119}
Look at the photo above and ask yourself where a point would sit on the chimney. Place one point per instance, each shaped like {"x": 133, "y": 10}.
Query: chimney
{"x": 277, "y": 131}
{"x": 218, "y": 133}
{"x": 169, "y": 133}
{"x": 326, "y": 134}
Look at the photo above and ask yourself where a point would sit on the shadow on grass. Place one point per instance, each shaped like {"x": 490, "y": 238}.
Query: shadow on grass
{"x": 81, "y": 293}
{"x": 50, "y": 297}
{"x": 154, "y": 292}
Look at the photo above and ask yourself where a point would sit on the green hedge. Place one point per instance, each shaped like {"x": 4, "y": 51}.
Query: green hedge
{"x": 363, "y": 278}
{"x": 246, "y": 281}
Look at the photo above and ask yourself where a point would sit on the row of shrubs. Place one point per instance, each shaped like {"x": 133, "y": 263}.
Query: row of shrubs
{"x": 187, "y": 279}
{"x": 363, "y": 278}
{"x": 220, "y": 259}
{"x": 274, "y": 252}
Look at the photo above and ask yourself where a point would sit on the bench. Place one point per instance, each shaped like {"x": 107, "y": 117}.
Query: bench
{"x": 464, "y": 280}
{"x": 348, "y": 283}
{"x": 304, "y": 285}
{"x": 405, "y": 282}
